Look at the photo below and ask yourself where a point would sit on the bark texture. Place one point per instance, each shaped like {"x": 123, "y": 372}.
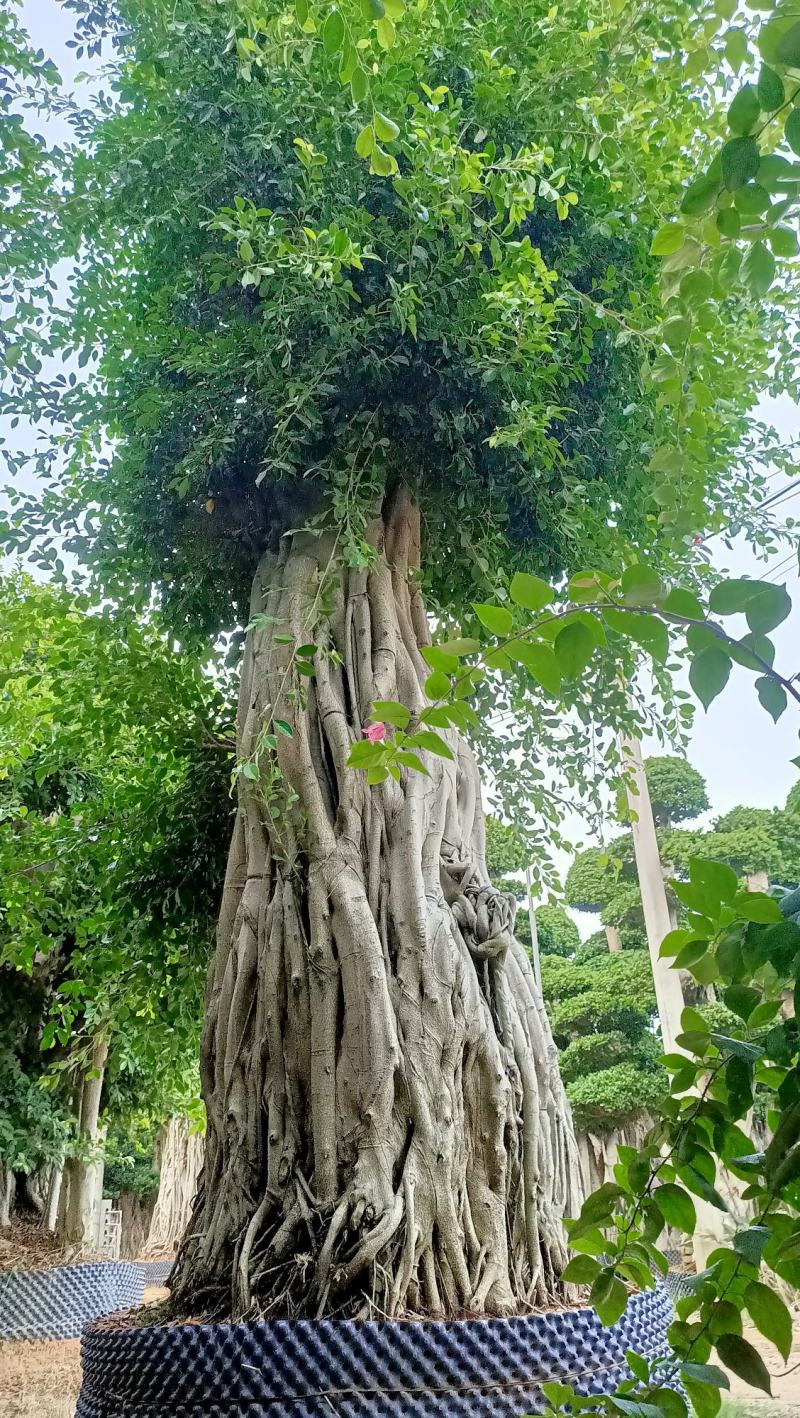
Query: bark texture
{"x": 387, "y": 1128}
{"x": 82, "y": 1183}
{"x": 181, "y": 1157}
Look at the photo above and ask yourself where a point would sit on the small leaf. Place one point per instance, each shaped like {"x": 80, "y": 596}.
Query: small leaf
{"x": 427, "y": 739}
{"x": 582, "y": 1270}
{"x": 756, "y": 906}
{"x": 668, "y": 239}
{"x": 333, "y": 33}
{"x": 787, "y": 50}
{"x": 739, "y": 159}
{"x": 608, "y": 1297}
{"x": 676, "y": 1207}
{"x": 770, "y": 89}
{"x": 377, "y": 774}
{"x": 791, "y": 131}
{"x": 698, "y": 198}
{"x": 574, "y": 649}
{"x": 640, "y": 584}
{"x": 770, "y": 1316}
{"x": 497, "y": 619}
{"x": 365, "y": 141}
{"x": 283, "y": 728}
{"x": 386, "y": 33}
{"x": 750, "y": 1243}
{"x": 741, "y": 1358}
{"x": 359, "y": 84}
{"x": 540, "y": 662}
{"x": 768, "y": 608}
{"x": 744, "y": 110}
{"x": 389, "y": 711}
{"x": 758, "y": 272}
{"x": 437, "y": 685}
{"x": 771, "y": 696}
{"x": 681, "y": 602}
{"x": 381, "y": 162}
{"x": 412, "y": 761}
{"x": 385, "y": 128}
{"x": 709, "y": 673}
{"x": 706, "y": 1374}
{"x": 461, "y": 647}
{"x": 530, "y": 592}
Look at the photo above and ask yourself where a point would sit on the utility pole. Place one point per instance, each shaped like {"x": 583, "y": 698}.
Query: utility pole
{"x": 657, "y": 920}
{"x": 537, "y": 964}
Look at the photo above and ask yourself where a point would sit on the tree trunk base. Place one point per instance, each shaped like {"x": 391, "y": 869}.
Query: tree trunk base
{"x": 387, "y": 1129}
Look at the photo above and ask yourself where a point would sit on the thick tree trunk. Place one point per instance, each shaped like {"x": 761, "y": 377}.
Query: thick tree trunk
{"x": 8, "y": 1189}
{"x": 387, "y": 1129}
{"x": 82, "y": 1184}
{"x": 181, "y": 1160}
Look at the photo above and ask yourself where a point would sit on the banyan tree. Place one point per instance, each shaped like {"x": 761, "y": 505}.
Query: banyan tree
{"x": 349, "y": 287}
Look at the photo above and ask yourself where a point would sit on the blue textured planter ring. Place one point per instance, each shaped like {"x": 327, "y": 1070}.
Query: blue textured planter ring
{"x": 361, "y": 1368}
{"x": 56, "y": 1304}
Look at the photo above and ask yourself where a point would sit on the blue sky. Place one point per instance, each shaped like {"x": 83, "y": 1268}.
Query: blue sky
{"x": 744, "y": 757}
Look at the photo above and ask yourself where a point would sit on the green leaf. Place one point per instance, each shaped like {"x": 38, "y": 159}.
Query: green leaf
{"x": 676, "y": 1207}
{"x": 787, "y": 50}
{"x": 783, "y": 240}
{"x": 359, "y": 85}
{"x": 758, "y": 272}
{"x": 750, "y": 1244}
{"x": 638, "y": 1365}
{"x": 714, "y": 877}
{"x": 731, "y": 597}
{"x": 742, "y": 1359}
{"x": 530, "y": 592}
{"x": 756, "y": 906}
{"x": 437, "y": 685}
{"x": 636, "y": 1407}
{"x": 582, "y": 1270}
{"x": 385, "y": 32}
{"x": 497, "y": 619}
{"x": 378, "y": 774}
{"x": 440, "y": 659}
{"x": 283, "y": 728}
{"x": 640, "y": 585}
{"x": 770, "y": 1316}
{"x": 365, "y": 141}
{"x": 363, "y": 753}
{"x": 770, "y": 89}
{"x": 385, "y": 128}
{"x": 388, "y": 711}
{"x": 540, "y": 662}
{"x": 647, "y": 630}
{"x": 333, "y": 33}
{"x": 461, "y": 647}
{"x": 574, "y": 649}
{"x": 771, "y": 696}
{"x": 706, "y": 1374}
{"x": 744, "y": 111}
{"x": 668, "y": 239}
{"x": 412, "y": 761}
{"x": 427, "y": 739}
{"x": 709, "y": 673}
{"x": 739, "y": 159}
{"x": 608, "y": 1297}
{"x": 685, "y": 603}
{"x": 791, "y": 130}
{"x": 705, "y": 1399}
{"x": 738, "y": 1048}
{"x": 768, "y": 608}
{"x": 698, "y": 199}
{"x": 382, "y": 163}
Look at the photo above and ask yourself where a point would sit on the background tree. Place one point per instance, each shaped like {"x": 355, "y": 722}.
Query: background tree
{"x": 321, "y": 332}
{"x": 114, "y": 817}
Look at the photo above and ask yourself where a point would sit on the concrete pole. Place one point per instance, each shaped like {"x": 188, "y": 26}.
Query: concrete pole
{"x": 669, "y": 995}
{"x": 537, "y": 964}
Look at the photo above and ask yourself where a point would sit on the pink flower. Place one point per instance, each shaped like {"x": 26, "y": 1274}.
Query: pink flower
{"x": 375, "y": 733}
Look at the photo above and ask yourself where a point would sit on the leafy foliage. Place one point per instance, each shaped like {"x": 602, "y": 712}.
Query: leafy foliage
{"x": 113, "y": 804}
{"x": 677, "y": 791}
{"x": 556, "y": 932}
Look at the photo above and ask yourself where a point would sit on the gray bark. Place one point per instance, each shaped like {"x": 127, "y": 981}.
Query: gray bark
{"x": 181, "y": 1156}
{"x": 82, "y": 1183}
{"x": 387, "y": 1128}
{"x": 8, "y": 1189}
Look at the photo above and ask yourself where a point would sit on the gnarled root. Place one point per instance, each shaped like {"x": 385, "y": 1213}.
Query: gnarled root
{"x": 387, "y": 1129}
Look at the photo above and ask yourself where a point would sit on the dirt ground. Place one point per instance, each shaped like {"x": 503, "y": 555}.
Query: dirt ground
{"x": 41, "y": 1378}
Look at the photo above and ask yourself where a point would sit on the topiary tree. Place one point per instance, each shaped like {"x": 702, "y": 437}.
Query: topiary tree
{"x": 590, "y": 880}
{"x": 357, "y": 329}
{"x": 677, "y": 790}
{"x": 556, "y": 932}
